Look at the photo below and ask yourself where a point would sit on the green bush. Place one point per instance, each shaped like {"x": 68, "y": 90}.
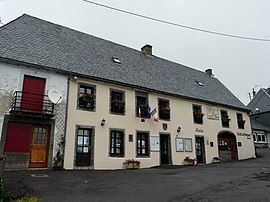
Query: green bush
{"x": 4, "y": 194}
{"x": 28, "y": 199}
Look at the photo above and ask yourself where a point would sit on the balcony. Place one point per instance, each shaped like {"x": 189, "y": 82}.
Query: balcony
{"x": 31, "y": 104}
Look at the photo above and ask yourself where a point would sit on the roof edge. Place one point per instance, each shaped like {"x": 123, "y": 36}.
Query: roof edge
{"x": 69, "y": 73}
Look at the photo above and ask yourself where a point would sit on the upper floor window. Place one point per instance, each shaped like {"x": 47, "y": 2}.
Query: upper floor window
{"x": 117, "y": 143}
{"x": 87, "y": 97}
{"x": 142, "y": 144}
{"x": 164, "y": 109}
{"x": 225, "y": 119}
{"x": 197, "y": 114}
{"x": 142, "y": 105}
{"x": 240, "y": 121}
{"x": 117, "y": 102}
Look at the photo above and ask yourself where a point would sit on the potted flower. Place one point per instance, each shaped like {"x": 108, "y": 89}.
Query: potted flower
{"x": 189, "y": 161}
{"x": 131, "y": 164}
{"x": 216, "y": 160}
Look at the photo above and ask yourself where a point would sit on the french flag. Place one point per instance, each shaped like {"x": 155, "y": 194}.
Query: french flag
{"x": 154, "y": 115}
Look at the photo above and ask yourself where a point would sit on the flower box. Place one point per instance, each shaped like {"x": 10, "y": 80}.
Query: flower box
{"x": 189, "y": 161}
{"x": 216, "y": 160}
{"x": 131, "y": 164}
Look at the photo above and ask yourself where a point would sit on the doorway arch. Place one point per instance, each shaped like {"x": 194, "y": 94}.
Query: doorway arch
{"x": 227, "y": 146}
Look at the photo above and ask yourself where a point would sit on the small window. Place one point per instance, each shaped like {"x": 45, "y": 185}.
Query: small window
{"x": 116, "y": 60}
{"x": 240, "y": 121}
{"x": 225, "y": 119}
{"x": 116, "y": 143}
{"x": 87, "y": 97}
{"x": 142, "y": 106}
{"x": 164, "y": 109}
{"x": 117, "y": 102}
{"x": 197, "y": 114}
{"x": 199, "y": 83}
{"x": 142, "y": 144}
{"x": 254, "y": 137}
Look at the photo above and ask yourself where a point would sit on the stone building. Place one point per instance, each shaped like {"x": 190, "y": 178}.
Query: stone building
{"x": 260, "y": 117}
{"x": 126, "y": 104}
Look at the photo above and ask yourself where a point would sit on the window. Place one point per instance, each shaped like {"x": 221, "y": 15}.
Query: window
{"x": 117, "y": 102}
{"x": 142, "y": 144}
{"x": 197, "y": 114}
{"x": 240, "y": 121}
{"x": 259, "y": 138}
{"x": 164, "y": 109}
{"x": 117, "y": 143}
{"x": 225, "y": 120}
{"x": 142, "y": 107}
{"x": 87, "y": 97}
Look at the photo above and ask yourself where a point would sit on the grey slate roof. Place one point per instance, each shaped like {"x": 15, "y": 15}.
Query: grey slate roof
{"x": 261, "y": 101}
{"x": 31, "y": 40}
{"x": 259, "y": 126}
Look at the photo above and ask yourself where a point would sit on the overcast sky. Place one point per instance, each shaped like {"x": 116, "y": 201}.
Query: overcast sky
{"x": 239, "y": 64}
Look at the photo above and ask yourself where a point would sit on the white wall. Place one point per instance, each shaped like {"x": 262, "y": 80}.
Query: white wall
{"x": 181, "y": 115}
{"x": 11, "y": 80}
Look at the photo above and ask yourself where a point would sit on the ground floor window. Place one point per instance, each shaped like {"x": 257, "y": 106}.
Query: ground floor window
{"x": 259, "y": 138}
{"x": 117, "y": 143}
{"x": 142, "y": 144}
{"x": 83, "y": 150}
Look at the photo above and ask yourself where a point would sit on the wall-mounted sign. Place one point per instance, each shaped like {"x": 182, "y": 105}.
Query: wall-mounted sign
{"x": 248, "y": 135}
{"x": 212, "y": 113}
{"x": 188, "y": 144}
{"x": 199, "y": 130}
{"x": 179, "y": 144}
{"x": 154, "y": 143}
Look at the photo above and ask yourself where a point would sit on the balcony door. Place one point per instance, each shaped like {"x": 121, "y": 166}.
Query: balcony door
{"x": 33, "y": 93}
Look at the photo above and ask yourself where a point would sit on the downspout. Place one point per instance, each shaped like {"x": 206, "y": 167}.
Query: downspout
{"x": 65, "y": 130}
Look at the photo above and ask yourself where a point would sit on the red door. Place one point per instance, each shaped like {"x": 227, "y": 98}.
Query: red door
{"x": 33, "y": 93}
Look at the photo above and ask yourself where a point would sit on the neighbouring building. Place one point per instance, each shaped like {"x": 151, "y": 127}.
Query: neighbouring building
{"x": 31, "y": 125}
{"x": 260, "y": 117}
{"x": 128, "y": 104}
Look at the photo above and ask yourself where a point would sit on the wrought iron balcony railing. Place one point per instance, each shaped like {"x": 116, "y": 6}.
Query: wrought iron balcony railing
{"x": 31, "y": 104}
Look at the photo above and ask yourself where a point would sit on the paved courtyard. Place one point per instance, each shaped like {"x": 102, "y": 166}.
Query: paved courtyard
{"x": 231, "y": 181}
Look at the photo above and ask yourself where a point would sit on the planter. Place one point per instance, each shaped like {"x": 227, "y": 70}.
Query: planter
{"x": 189, "y": 163}
{"x": 129, "y": 166}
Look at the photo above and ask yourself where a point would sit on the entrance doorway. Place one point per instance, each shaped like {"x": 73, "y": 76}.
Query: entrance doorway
{"x": 39, "y": 147}
{"x": 227, "y": 147}
{"x": 84, "y": 146}
{"x": 165, "y": 149}
{"x": 200, "y": 149}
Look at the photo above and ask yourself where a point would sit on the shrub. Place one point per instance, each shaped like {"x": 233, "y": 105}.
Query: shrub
{"x": 4, "y": 194}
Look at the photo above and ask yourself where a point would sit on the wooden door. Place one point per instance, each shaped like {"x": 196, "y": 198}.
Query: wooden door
{"x": 33, "y": 93}
{"x": 164, "y": 149}
{"x": 39, "y": 147}
{"x": 200, "y": 153}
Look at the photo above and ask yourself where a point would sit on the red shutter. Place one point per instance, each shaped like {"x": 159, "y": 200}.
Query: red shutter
{"x": 18, "y": 138}
{"x": 33, "y": 93}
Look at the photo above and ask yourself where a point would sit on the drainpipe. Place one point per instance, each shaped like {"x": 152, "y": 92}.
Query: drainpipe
{"x": 65, "y": 130}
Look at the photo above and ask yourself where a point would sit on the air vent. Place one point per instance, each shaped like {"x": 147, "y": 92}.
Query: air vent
{"x": 199, "y": 83}
{"x": 116, "y": 60}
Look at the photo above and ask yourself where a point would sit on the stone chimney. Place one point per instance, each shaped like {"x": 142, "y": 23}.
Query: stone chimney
{"x": 147, "y": 49}
{"x": 209, "y": 72}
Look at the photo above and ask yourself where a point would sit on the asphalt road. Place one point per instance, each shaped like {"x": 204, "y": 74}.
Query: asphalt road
{"x": 247, "y": 180}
